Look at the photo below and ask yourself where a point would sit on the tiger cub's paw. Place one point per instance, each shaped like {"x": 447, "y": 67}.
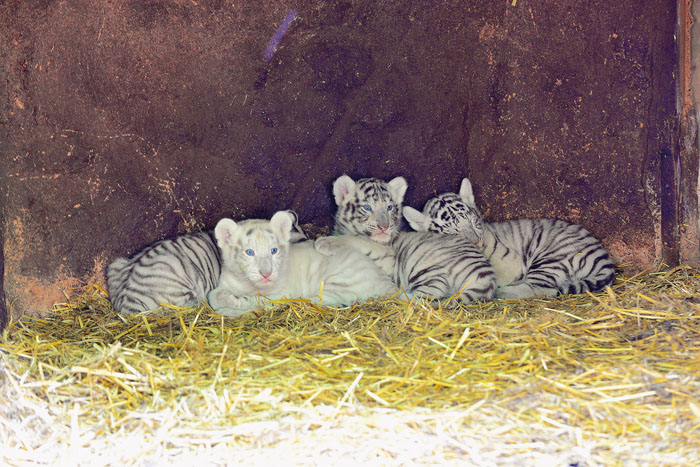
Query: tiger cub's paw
{"x": 328, "y": 246}
{"x": 224, "y": 302}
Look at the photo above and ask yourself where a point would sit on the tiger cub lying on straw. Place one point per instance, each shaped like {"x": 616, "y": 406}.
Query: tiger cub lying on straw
{"x": 421, "y": 263}
{"x": 257, "y": 259}
{"x": 179, "y": 271}
{"x": 531, "y": 257}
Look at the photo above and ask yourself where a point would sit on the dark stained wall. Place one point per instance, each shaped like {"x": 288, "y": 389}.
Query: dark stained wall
{"x": 123, "y": 122}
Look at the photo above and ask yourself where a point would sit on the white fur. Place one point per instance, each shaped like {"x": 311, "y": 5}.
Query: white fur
{"x": 295, "y": 270}
{"x": 382, "y": 254}
{"x": 466, "y": 193}
{"x": 343, "y": 189}
{"x": 397, "y": 188}
{"x": 416, "y": 219}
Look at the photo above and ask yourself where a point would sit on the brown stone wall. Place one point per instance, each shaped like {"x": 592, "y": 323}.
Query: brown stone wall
{"x": 123, "y": 122}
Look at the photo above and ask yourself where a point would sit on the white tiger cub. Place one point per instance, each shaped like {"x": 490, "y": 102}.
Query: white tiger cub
{"x": 180, "y": 271}
{"x": 422, "y": 264}
{"x": 531, "y": 257}
{"x": 259, "y": 261}
{"x": 368, "y": 209}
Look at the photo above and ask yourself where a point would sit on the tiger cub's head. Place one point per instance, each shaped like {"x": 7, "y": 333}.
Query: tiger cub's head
{"x": 255, "y": 250}
{"x": 369, "y": 207}
{"x": 450, "y": 213}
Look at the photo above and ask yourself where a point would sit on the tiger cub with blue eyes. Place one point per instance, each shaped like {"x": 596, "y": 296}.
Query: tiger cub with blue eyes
{"x": 531, "y": 257}
{"x": 180, "y": 271}
{"x": 368, "y": 209}
{"x": 259, "y": 264}
{"x": 422, "y": 264}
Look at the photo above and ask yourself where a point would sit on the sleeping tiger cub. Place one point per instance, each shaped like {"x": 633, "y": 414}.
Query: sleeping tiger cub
{"x": 258, "y": 262}
{"x": 531, "y": 257}
{"x": 180, "y": 271}
{"x": 420, "y": 263}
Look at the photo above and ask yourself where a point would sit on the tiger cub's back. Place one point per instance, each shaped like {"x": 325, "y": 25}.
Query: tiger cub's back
{"x": 340, "y": 279}
{"x": 555, "y": 248}
{"x": 179, "y": 271}
{"x": 441, "y": 266}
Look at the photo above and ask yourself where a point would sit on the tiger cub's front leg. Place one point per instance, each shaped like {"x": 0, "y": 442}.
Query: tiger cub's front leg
{"x": 382, "y": 254}
{"x": 224, "y": 302}
{"x": 525, "y": 290}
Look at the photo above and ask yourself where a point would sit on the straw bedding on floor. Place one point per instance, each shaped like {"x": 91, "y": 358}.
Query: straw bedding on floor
{"x": 611, "y": 378}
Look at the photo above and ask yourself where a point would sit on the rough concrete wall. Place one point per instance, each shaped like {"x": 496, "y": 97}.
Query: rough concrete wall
{"x": 123, "y": 122}
{"x": 577, "y": 118}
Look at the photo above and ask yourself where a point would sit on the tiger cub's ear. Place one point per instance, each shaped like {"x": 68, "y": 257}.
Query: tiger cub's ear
{"x": 224, "y": 232}
{"x": 397, "y": 188}
{"x": 297, "y": 234}
{"x": 416, "y": 219}
{"x": 281, "y": 224}
{"x": 343, "y": 189}
{"x": 466, "y": 193}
